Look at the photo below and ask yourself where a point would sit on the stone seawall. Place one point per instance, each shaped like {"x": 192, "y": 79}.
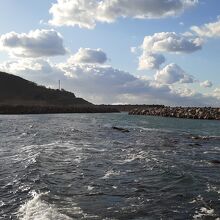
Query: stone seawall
{"x": 47, "y": 109}
{"x": 207, "y": 113}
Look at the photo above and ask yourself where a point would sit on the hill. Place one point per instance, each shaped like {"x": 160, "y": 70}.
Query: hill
{"x": 20, "y": 96}
{"x": 15, "y": 90}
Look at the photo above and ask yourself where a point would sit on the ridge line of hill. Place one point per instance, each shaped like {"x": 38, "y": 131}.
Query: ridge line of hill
{"x": 20, "y": 96}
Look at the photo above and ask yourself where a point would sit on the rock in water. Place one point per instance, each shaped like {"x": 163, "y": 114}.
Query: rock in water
{"x": 215, "y": 161}
{"x": 121, "y": 129}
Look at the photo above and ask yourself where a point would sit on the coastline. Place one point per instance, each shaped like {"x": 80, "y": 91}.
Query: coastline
{"x": 202, "y": 113}
{"x": 53, "y": 109}
{"x": 205, "y": 113}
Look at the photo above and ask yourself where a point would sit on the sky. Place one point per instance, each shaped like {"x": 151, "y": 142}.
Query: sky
{"x": 116, "y": 51}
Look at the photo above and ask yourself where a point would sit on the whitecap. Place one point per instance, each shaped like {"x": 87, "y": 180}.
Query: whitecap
{"x": 110, "y": 173}
{"x": 211, "y": 188}
{"x": 36, "y": 209}
{"x": 23, "y": 134}
{"x": 90, "y": 188}
{"x": 24, "y": 188}
{"x": 1, "y": 203}
{"x": 139, "y": 156}
{"x": 204, "y": 212}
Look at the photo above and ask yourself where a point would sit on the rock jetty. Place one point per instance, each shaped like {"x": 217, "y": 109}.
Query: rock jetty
{"x": 207, "y": 113}
{"x": 47, "y": 109}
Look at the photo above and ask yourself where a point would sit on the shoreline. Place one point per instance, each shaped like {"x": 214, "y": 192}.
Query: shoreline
{"x": 202, "y": 113}
{"x": 27, "y": 109}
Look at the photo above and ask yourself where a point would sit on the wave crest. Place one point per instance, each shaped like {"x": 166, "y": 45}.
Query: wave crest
{"x": 36, "y": 209}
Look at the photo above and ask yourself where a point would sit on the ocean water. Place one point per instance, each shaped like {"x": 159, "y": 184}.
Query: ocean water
{"x": 75, "y": 166}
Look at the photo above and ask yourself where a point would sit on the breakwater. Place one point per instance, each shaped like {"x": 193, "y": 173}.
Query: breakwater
{"x": 207, "y": 113}
{"x": 47, "y": 109}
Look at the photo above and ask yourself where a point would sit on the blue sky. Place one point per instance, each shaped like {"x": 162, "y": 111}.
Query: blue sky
{"x": 115, "y": 40}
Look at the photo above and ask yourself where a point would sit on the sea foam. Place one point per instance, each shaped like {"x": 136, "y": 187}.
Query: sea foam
{"x": 36, "y": 209}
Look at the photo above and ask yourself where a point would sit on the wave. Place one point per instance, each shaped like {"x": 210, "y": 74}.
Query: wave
{"x": 110, "y": 173}
{"x": 153, "y": 129}
{"x": 204, "y": 212}
{"x": 206, "y": 138}
{"x": 211, "y": 188}
{"x": 37, "y": 209}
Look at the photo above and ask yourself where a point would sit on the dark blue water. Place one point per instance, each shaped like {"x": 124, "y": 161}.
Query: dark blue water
{"x": 75, "y": 166}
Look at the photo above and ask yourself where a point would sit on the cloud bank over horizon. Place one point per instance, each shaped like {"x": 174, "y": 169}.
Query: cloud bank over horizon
{"x": 105, "y": 84}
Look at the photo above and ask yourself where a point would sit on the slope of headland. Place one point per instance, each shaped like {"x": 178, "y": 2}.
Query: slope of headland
{"x": 207, "y": 113}
{"x": 20, "y": 96}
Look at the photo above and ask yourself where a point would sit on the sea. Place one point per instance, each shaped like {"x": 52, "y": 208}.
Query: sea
{"x": 76, "y": 166}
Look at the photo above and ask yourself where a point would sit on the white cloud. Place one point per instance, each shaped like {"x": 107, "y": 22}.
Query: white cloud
{"x": 208, "y": 30}
{"x": 194, "y": 98}
{"x": 37, "y": 70}
{"x": 217, "y": 93}
{"x": 168, "y": 42}
{"x": 74, "y": 12}
{"x": 206, "y": 84}
{"x": 171, "y": 42}
{"x": 87, "y": 55}
{"x": 37, "y": 43}
{"x": 142, "y": 9}
{"x": 171, "y": 74}
{"x": 134, "y": 50}
{"x": 104, "y": 84}
{"x": 150, "y": 61}
{"x": 85, "y": 13}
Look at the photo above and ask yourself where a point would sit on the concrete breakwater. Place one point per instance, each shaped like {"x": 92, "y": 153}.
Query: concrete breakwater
{"x": 207, "y": 113}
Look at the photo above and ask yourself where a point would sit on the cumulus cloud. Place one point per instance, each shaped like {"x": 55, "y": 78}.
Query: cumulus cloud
{"x": 217, "y": 93}
{"x": 171, "y": 42}
{"x": 110, "y": 10}
{"x": 206, "y": 84}
{"x": 208, "y": 30}
{"x": 85, "y": 13}
{"x": 104, "y": 84}
{"x": 87, "y": 55}
{"x": 194, "y": 98}
{"x": 150, "y": 61}
{"x": 168, "y": 42}
{"x": 37, "y": 43}
{"x": 34, "y": 69}
{"x": 171, "y": 74}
